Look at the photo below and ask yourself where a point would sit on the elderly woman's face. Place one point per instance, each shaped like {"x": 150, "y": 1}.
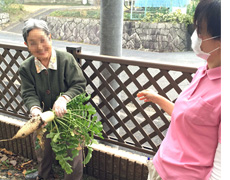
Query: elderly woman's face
{"x": 39, "y": 44}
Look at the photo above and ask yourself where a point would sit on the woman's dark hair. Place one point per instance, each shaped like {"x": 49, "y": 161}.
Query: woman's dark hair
{"x": 209, "y": 12}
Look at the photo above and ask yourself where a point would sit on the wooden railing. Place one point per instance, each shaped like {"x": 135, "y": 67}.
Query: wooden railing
{"x": 113, "y": 84}
{"x": 10, "y": 98}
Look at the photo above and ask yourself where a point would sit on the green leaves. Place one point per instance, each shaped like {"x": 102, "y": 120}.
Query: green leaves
{"x": 174, "y": 17}
{"x": 55, "y": 138}
{"x": 78, "y": 127}
{"x": 75, "y": 153}
{"x": 64, "y": 164}
{"x": 89, "y": 155}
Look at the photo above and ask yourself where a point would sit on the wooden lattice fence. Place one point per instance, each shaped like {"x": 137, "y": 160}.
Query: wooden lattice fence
{"x": 128, "y": 122}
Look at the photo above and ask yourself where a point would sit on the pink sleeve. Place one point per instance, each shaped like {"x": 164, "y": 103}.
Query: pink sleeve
{"x": 219, "y": 134}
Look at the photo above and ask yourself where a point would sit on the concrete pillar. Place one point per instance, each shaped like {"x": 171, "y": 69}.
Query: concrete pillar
{"x": 111, "y": 40}
{"x": 111, "y": 27}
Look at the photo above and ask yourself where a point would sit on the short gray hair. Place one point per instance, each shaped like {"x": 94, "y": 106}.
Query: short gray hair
{"x": 31, "y": 24}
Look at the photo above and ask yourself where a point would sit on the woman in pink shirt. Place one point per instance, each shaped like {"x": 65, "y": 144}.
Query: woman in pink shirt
{"x": 193, "y": 138}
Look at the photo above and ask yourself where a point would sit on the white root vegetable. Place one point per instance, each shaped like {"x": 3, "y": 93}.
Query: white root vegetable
{"x": 47, "y": 116}
{"x": 32, "y": 125}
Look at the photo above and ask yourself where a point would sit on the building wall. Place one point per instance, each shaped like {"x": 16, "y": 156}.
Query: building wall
{"x": 157, "y": 37}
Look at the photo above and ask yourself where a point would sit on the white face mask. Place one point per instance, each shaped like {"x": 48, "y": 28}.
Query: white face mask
{"x": 196, "y": 43}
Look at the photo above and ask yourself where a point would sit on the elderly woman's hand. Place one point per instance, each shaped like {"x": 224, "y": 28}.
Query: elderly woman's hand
{"x": 35, "y": 111}
{"x": 60, "y": 106}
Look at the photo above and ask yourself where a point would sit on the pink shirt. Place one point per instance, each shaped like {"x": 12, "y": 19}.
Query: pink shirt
{"x": 188, "y": 150}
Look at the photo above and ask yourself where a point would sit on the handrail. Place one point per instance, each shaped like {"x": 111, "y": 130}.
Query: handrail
{"x": 136, "y": 62}
{"x": 16, "y": 47}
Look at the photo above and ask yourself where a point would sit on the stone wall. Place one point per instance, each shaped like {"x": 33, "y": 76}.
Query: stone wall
{"x": 53, "y": 1}
{"x": 158, "y": 37}
{"x": 75, "y": 29}
{"x": 4, "y": 18}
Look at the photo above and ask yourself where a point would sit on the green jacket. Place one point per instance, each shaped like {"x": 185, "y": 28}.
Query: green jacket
{"x": 42, "y": 89}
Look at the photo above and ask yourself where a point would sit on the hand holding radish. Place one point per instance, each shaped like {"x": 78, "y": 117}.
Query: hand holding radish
{"x": 78, "y": 126}
{"x": 35, "y": 111}
{"x": 59, "y": 106}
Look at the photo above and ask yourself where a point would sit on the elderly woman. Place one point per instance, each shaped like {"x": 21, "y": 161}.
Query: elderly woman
{"x": 193, "y": 138}
{"x": 44, "y": 76}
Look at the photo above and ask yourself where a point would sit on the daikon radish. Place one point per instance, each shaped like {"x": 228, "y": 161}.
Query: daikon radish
{"x": 47, "y": 116}
{"x": 32, "y": 125}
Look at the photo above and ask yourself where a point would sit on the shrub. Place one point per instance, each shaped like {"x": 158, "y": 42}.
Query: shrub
{"x": 192, "y": 7}
{"x": 154, "y": 14}
{"x": 175, "y": 17}
{"x": 94, "y": 14}
{"x": 9, "y": 6}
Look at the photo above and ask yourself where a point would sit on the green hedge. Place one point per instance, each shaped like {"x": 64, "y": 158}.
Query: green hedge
{"x": 153, "y": 14}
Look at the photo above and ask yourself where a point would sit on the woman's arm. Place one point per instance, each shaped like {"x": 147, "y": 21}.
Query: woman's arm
{"x": 75, "y": 79}
{"x": 151, "y": 96}
{"x": 28, "y": 91}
